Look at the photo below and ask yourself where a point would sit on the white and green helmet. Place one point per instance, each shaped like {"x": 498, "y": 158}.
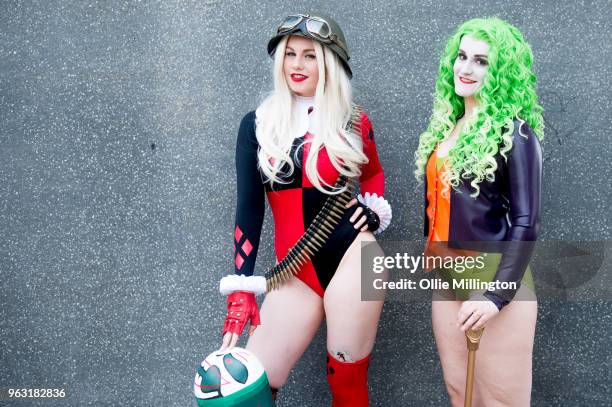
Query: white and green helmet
{"x": 232, "y": 378}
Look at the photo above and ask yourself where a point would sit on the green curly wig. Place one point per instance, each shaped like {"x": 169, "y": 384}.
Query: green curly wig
{"x": 508, "y": 92}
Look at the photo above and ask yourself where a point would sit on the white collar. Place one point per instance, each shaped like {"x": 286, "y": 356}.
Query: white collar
{"x": 302, "y": 116}
{"x": 304, "y": 101}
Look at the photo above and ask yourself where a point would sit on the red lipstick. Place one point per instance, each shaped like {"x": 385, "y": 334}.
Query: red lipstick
{"x": 296, "y": 77}
{"x": 466, "y": 81}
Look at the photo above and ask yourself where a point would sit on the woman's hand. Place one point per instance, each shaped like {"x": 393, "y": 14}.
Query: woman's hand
{"x": 230, "y": 339}
{"x": 241, "y": 308}
{"x": 359, "y": 220}
{"x": 475, "y": 313}
{"x": 363, "y": 218}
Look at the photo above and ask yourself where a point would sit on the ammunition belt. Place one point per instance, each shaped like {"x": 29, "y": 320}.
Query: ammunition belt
{"x": 323, "y": 224}
{"x": 314, "y": 238}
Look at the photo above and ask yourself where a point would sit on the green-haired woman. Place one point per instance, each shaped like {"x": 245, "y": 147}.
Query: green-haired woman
{"x": 482, "y": 164}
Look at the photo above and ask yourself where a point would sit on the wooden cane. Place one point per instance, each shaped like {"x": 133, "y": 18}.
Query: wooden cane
{"x": 473, "y": 340}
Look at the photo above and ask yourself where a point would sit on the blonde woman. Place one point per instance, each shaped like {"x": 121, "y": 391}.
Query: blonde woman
{"x": 293, "y": 149}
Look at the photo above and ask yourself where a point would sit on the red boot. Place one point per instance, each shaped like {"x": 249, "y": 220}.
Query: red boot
{"x": 348, "y": 382}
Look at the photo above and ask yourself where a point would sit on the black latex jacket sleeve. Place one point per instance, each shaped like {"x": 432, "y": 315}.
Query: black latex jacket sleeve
{"x": 250, "y": 203}
{"x": 524, "y": 192}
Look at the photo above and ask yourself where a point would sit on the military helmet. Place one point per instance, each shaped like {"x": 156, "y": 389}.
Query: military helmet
{"x": 317, "y": 26}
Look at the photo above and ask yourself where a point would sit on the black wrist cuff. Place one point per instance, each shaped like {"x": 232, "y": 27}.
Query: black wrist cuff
{"x": 499, "y": 302}
{"x": 372, "y": 218}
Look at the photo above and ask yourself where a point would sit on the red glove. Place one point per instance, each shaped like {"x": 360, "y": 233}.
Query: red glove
{"x": 241, "y": 307}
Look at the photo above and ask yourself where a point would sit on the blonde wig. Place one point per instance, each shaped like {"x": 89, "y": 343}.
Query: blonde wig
{"x": 332, "y": 107}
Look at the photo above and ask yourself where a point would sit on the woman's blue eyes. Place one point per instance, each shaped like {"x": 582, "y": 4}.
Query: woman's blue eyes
{"x": 307, "y": 56}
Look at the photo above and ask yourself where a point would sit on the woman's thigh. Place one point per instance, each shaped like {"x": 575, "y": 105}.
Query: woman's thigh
{"x": 290, "y": 317}
{"x": 503, "y": 361}
{"x": 451, "y": 345}
{"x": 351, "y": 322}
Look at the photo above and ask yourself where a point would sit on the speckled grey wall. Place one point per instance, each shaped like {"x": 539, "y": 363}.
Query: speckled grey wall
{"x": 118, "y": 123}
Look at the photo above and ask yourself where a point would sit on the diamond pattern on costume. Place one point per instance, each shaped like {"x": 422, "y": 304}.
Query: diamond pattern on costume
{"x": 239, "y": 261}
{"x": 247, "y": 247}
{"x": 237, "y": 233}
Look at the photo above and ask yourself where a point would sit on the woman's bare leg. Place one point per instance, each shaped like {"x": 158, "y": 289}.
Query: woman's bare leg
{"x": 506, "y": 362}
{"x": 351, "y": 323}
{"x": 351, "y": 330}
{"x": 503, "y": 361}
{"x": 290, "y": 317}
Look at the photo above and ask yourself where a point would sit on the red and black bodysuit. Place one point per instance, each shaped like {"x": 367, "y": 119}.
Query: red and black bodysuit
{"x": 295, "y": 203}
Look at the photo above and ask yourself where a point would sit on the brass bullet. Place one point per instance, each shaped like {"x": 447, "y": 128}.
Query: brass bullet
{"x": 316, "y": 236}
{"x": 312, "y": 246}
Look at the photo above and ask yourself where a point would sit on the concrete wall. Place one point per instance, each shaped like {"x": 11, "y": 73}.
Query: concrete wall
{"x": 118, "y": 124}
